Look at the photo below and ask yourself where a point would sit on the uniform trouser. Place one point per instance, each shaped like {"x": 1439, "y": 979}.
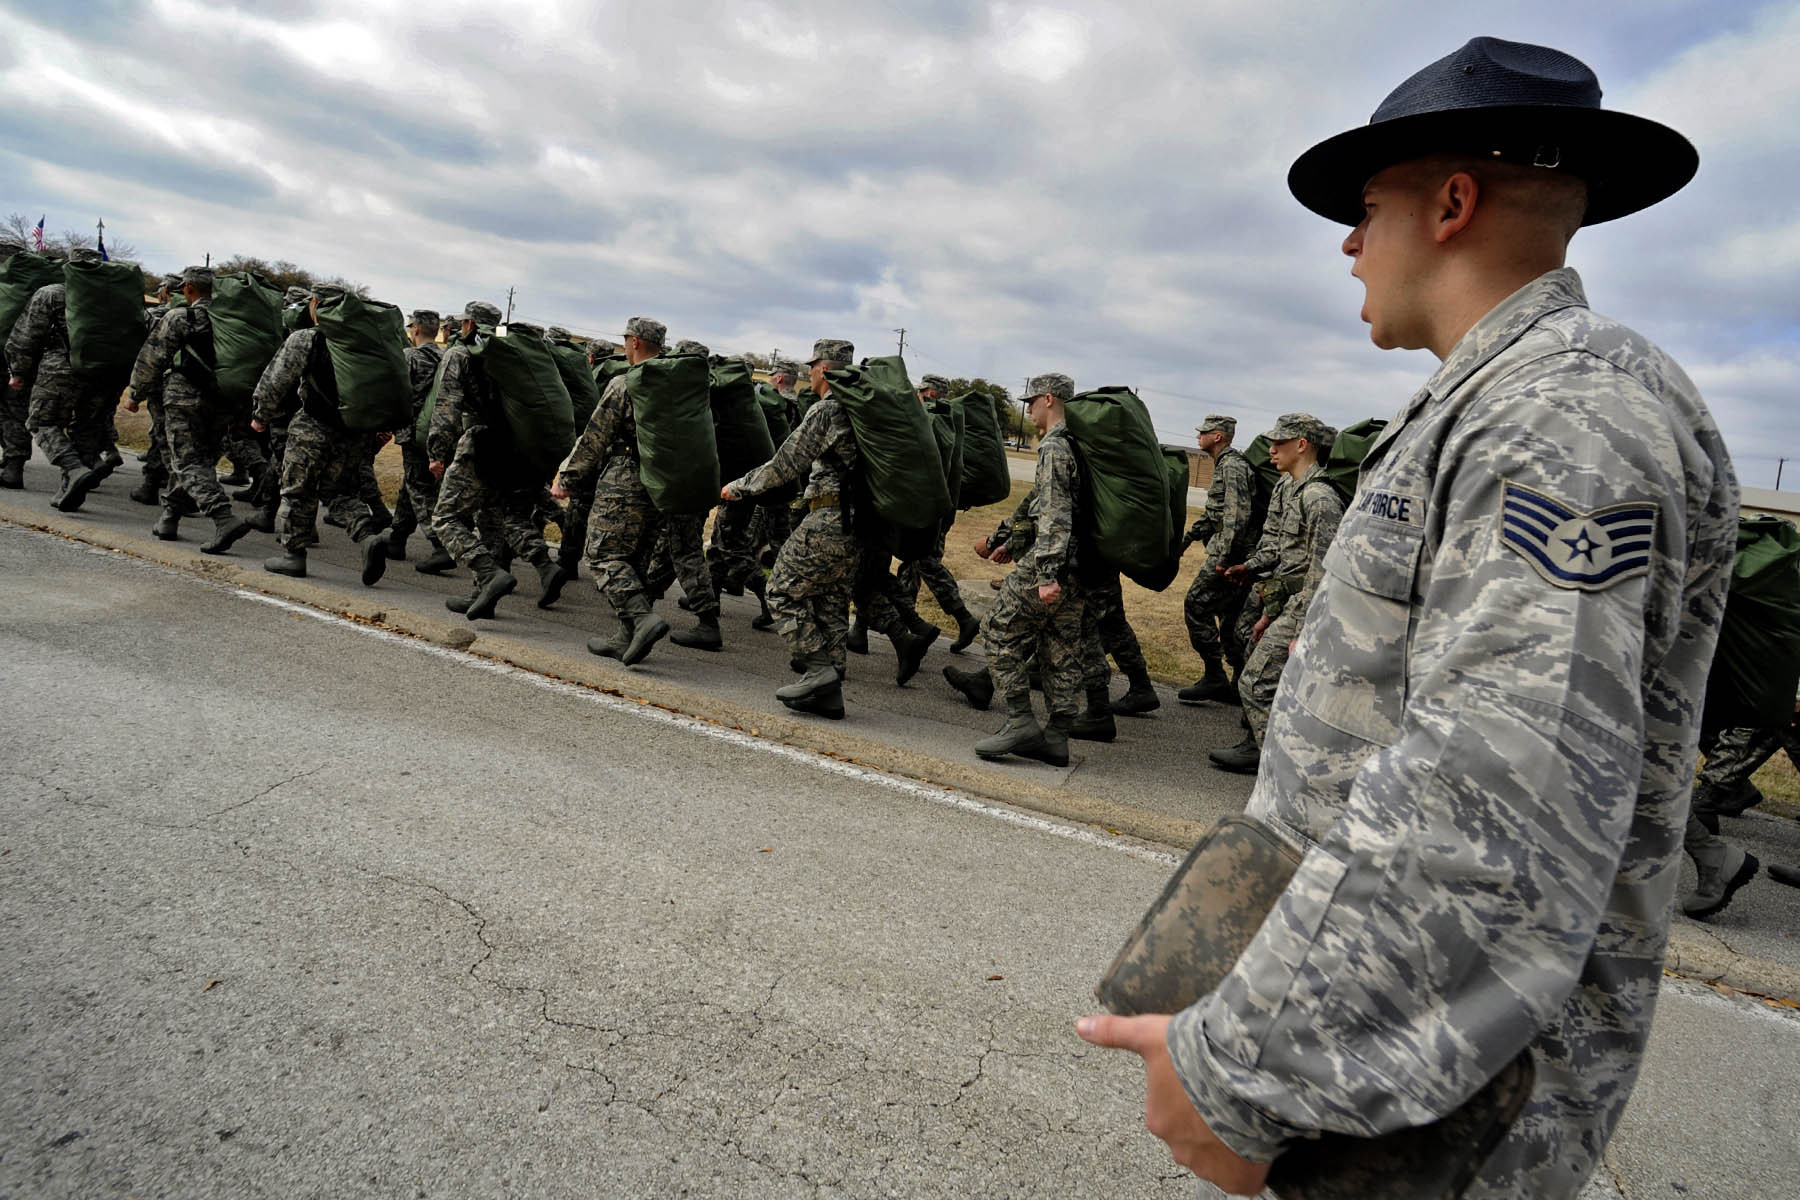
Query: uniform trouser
{"x": 196, "y": 434}
{"x": 686, "y": 537}
{"x": 70, "y": 417}
{"x": 464, "y": 496}
{"x": 770, "y": 527}
{"x": 243, "y": 447}
{"x": 1732, "y": 757}
{"x": 368, "y": 488}
{"x": 622, "y": 528}
{"x": 15, "y": 406}
{"x": 729, "y": 552}
{"x": 159, "y": 462}
{"x": 879, "y": 602}
{"x": 1211, "y": 611}
{"x": 1020, "y": 626}
{"x": 576, "y": 512}
{"x": 1262, "y": 670}
{"x": 319, "y": 463}
{"x": 809, "y": 588}
{"x": 418, "y": 493}
{"x": 929, "y": 569}
{"x": 1104, "y": 631}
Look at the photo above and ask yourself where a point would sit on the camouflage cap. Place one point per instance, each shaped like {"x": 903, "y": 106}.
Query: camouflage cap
{"x": 556, "y": 333}
{"x": 688, "y": 346}
{"x": 601, "y": 347}
{"x": 294, "y": 295}
{"x": 172, "y": 281}
{"x": 834, "y": 351}
{"x": 425, "y": 318}
{"x": 936, "y": 382}
{"x": 1301, "y": 425}
{"x": 1217, "y": 423}
{"x": 784, "y": 366}
{"x": 1051, "y": 384}
{"x": 644, "y": 328}
{"x": 83, "y": 254}
{"x": 198, "y": 276}
{"x": 480, "y": 312}
{"x": 11, "y": 243}
{"x": 326, "y": 291}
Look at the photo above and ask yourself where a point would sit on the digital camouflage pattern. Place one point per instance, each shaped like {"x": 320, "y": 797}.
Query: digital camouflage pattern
{"x": 466, "y": 409}
{"x": 418, "y": 486}
{"x": 1488, "y": 772}
{"x": 1724, "y": 787}
{"x": 319, "y": 463}
{"x": 1227, "y": 529}
{"x": 821, "y": 450}
{"x": 1104, "y": 631}
{"x": 929, "y": 569}
{"x": 685, "y": 535}
{"x": 195, "y": 421}
{"x": 622, "y": 523}
{"x": 69, "y": 415}
{"x": 1020, "y": 619}
{"x": 281, "y": 390}
{"x": 196, "y": 436}
{"x": 1309, "y": 521}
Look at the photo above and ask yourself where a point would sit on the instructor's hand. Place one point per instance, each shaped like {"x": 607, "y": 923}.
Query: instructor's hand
{"x": 1168, "y": 1113}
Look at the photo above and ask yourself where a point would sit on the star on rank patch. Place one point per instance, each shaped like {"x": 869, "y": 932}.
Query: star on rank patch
{"x": 1589, "y": 551}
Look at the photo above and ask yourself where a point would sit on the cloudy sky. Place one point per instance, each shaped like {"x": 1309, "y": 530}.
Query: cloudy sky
{"x": 1087, "y": 187}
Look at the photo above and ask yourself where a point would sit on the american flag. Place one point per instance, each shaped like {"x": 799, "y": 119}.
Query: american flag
{"x": 38, "y": 233}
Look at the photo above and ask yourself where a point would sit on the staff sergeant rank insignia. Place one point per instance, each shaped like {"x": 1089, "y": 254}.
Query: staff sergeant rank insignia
{"x": 1591, "y": 551}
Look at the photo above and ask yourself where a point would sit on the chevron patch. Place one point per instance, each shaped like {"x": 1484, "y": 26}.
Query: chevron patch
{"x": 1588, "y": 551}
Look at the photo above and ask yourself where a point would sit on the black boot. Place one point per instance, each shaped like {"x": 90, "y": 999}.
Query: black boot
{"x": 909, "y": 651}
{"x": 288, "y": 562}
{"x": 1096, "y": 724}
{"x": 374, "y": 556}
{"x": 820, "y": 691}
{"x": 552, "y": 578}
{"x": 1021, "y": 735}
{"x": 396, "y": 544}
{"x": 1243, "y": 758}
{"x": 438, "y": 563}
{"x": 12, "y": 473}
{"x": 704, "y": 635}
{"x": 149, "y": 488}
{"x": 858, "y": 641}
{"x": 110, "y": 461}
{"x": 380, "y": 517}
{"x": 492, "y": 581}
{"x": 614, "y": 646}
{"x": 758, "y": 586}
{"x": 227, "y": 529}
{"x": 263, "y": 519}
{"x": 460, "y": 604}
{"x": 1139, "y": 698}
{"x": 648, "y": 630}
{"x": 1214, "y": 685}
{"x": 167, "y": 524}
{"x": 967, "y": 630}
{"x": 977, "y": 687}
{"x": 76, "y": 485}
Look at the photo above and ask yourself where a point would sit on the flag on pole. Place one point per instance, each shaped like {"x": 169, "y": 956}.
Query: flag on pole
{"x": 38, "y": 234}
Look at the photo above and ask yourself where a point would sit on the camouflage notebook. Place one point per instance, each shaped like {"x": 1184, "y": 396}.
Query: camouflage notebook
{"x": 1189, "y": 941}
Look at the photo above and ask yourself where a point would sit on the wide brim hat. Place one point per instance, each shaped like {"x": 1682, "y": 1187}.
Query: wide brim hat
{"x": 1513, "y": 102}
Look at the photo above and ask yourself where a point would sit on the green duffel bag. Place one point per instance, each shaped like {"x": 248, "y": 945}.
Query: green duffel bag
{"x": 578, "y": 378}
{"x": 1756, "y": 668}
{"x": 949, "y": 424}
{"x": 739, "y": 430}
{"x": 20, "y": 278}
{"x": 678, "y": 460}
{"x": 294, "y": 318}
{"x": 1343, "y": 465}
{"x": 363, "y": 368}
{"x": 104, "y": 307}
{"x": 775, "y": 413}
{"x": 522, "y": 369}
{"x": 1125, "y": 477}
{"x": 607, "y": 369}
{"x": 247, "y": 334}
{"x": 1266, "y": 476}
{"x": 898, "y": 450}
{"x": 422, "y": 423}
{"x": 986, "y": 476}
{"x": 1179, "y": 472}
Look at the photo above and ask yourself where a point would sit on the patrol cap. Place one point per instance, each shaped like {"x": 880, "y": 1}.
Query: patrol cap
{"x": 83, "y": 254}
{"x": 1052, "y": 383}
{"x": 688, "y": 346}
{"x": 834, "y": 351}
{"x": 425, "y": 318}
{"x": 294, "y": 295}
{"x": 1301, "y": 425}
{"x": 200, "y": 277}
{"x": 480, "y": 312}
{"x": 601, "y": 348}
{"x": 1217, "y": 423}
{"x": 644, "y": 328}
{"x": 935, "y": 382}
{"x": 784, "y": 366}
{"x": 326, "y": 291}
{"x": 172, "y": 281}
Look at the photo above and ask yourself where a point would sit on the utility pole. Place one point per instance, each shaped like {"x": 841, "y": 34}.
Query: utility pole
{"x": 509, "y": 304}
{"x": 902, "y": 332}
{"x": 100, "y": 234}
{"x": 1778, "y": 465}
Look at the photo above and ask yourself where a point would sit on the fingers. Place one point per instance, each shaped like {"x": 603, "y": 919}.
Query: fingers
{"x": 1118, "y": 1033}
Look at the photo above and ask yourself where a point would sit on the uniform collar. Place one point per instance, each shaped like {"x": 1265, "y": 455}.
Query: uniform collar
{"x": 1306, "y": 477}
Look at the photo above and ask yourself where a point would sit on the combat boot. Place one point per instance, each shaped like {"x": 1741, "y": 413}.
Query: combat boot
{"x": 614, "y": 646}
{"x": 1213, "y": 685}
{"x": 704, "y": 635}
{"x": 568, "y": 556}
{"x": 437, "y": 563}
{"x": 909, "y": 652}
{"x": 396, "y": 544}
{"x": 724, "y": 586}
{"x": 76, "y": 485}
{"x": 504, "y": 557}
{"x": 1139, "y": 698}
{"x": 1723, "y": 869}
{"x": 1020, "y": 735}
{"x": 149, "y": 488}
{"x": 288, "y": 562}
{"x": 249, "y": 495}
{"x": 1096, "y": 724}
{"x": 380, "y": 517}
{"x": 967, "y": 630}
{"x": 858, "y": 640}
{"x": 12, "y": 473}
{"x": 263, "y": 519}
{"x": 819, "y": 691}
{"x": 167, "y": 524}
{"x": 227, "y": 529}
{"x": 374, "y": 556}
{"x": 552, "y": 578}
{"x": 110, "y": 461}
{"x": 648, "y": 630}
{"x": 492, "y": 581}
{"x": 460, "y": 604}
{"x": 1243, "y": 758}
{"x": 977, "y": 687}
{"x": 758, "y": 585}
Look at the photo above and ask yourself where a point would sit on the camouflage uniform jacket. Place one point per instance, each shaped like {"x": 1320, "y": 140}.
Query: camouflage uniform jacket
{"x": 1264, "y": 560}
{"x": 282, "y": 387}
{"x": 421, "y": 369}
{"x": 608, "y": 446}
{"x": 1053, "y": 498}
{"x": 40, "y": 337}
{"x": 824, "y": 442}
{"x": 1224, "y": 525}
{"x": 1484, "y": 743}
{"x": 175, "y": 332}
{"x": 462, "y": 408}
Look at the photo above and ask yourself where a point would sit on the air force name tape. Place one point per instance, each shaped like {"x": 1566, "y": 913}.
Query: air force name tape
{"x": 1587, "y": 551}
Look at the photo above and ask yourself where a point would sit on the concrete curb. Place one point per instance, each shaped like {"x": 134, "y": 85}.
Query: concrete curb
{"x": 1694, "y": 953}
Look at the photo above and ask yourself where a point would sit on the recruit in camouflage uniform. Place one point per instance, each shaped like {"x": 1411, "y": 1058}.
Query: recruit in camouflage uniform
{"x": 1485, "y": 742}
{"x": 1289, "y": 561}
{"x": 928, "y": 569}
{"x": 157, "y": 459}
{"x": 1226, "y": 527}
{"x": 265, "y": 494}
{"x": 68, "y": 413}
{"x": 319, "y": 459}
{"x": 743, "y": 527}
{"x": 179, "y": 353}
{"x": 574, "y": 520}
{"x": 622, "y": 523}
{"x": 682, "y": 544}
{"x": 15, "y": 439}
{"x": 1023, "y": 625}
{"x": 418, "y": 486}
{"x": 1105, "y": 631}
{"x": 1723, "y": 789}
{"x": 468, "y": 436}
{"x": 809, "y": 589}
